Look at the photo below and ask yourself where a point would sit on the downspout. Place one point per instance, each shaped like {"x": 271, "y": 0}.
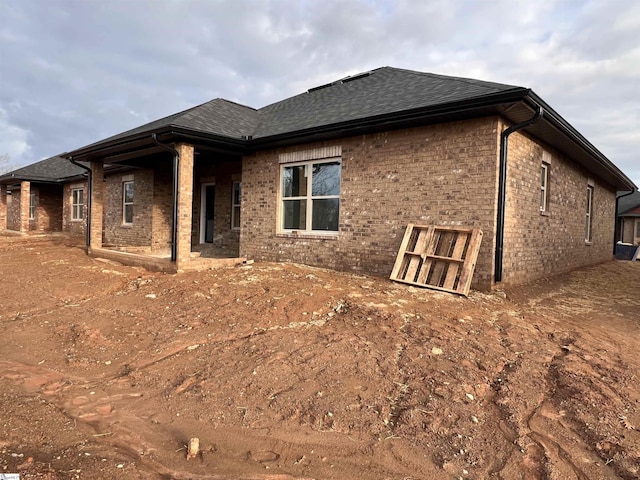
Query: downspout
{"x": 89, "y": 179}
{"x": 174, "y": 202}
{"x": 616, "y": 231}
{"x": 502, "y": 188}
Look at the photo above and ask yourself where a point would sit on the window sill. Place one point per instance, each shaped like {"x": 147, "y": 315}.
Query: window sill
{"x": 126, "y": 225}
{"x": 308, "y": 235}
{"x": 545, "y": 213}
{"x": 588, "y": 243}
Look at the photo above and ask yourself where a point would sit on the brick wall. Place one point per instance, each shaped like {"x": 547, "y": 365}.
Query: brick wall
{"x": 538, "y": 245}
{"x": 440, "y": 174}
{"x": 138, "y": 234}
{"x": 48, "y": 214}
{"x": 162, "y": 207}
{"x": 222, "y": 174}
{"x": 76, "y": 227}
{"x": 13, "y": 210}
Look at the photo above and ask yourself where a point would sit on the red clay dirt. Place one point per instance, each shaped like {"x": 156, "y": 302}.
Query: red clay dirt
{"x": 290, "y": 372}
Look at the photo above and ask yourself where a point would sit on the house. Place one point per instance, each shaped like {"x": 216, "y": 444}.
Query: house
{"x": 47, "y": 196}
{"x": 629, "y": 217}
{"x": 332, "y": 177}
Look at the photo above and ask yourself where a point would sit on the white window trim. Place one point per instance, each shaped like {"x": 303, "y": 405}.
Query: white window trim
{"x": 80, "y": 206}
{"x": 309, "y": 197}
{"x": 588, "y": 231}
{"x": 125, "y": 203}
{"x": 203, "y": 206}
{"x": 235, "y": 205}
{"x": 544, "y": 189}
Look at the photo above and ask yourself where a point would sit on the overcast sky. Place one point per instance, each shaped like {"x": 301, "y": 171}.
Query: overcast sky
{"x": 73, "y": 72}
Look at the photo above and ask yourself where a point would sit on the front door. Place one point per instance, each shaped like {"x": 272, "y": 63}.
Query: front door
{"x": 208, "y": 201}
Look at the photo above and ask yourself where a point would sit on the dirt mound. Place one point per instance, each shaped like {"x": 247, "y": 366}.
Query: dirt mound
{"x": 291, "y": 372}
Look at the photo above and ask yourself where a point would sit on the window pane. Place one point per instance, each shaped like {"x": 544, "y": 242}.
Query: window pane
{"x": 543, "y": 176}
{"x": 325, "y": 214}
{"x": 294, "y": 181}
{"x": 326, "y": 179}
{"x": 80, "y": 197}
{"x": 295, "y": 214}
{"x": 236, "y": 193}
{"x": 128, "y": 214}
{"x": 128, "y": 192}
{"x": 236, "y": 217}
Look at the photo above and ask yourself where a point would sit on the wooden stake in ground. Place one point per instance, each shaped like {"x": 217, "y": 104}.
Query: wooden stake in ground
{"x": 194, "y": 448}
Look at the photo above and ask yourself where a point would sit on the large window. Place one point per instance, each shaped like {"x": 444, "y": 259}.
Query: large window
{"x": 32, "y": 206}
{"x": 311, "y": 196}
{"x": 77, "y": 204}
{"x": 588, "y": 234}
{"x": 235, "y": 205}
{"x": 544, "y": 187}
{"x": 127, "y": 203}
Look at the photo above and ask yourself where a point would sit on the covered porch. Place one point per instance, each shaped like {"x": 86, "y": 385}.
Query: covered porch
{"x": 170, "y": 207}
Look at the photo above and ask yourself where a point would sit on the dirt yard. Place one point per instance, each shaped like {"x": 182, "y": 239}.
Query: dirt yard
{"x": 289, "y": 372}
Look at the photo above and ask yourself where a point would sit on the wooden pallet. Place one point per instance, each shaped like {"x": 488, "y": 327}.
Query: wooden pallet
{"x": 442, "y": 258}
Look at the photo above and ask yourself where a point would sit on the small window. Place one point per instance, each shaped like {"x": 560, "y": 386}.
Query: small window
{"x": 32, "y": 206}
{"x": 588, "y": 234}
{"x": 311, "y": 196}
{"x": 544, "y": 187}
{"x": 77, "y": 204}
{"x": 235, "y": 205}
{"x": 127, "y": 203}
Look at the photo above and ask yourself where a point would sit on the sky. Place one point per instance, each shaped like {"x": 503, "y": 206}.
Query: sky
{"x": 76, "y": 71}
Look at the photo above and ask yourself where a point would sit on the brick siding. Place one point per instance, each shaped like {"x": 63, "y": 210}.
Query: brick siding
{"x": 441, "y": 174}
{"x": 537, "y": 245}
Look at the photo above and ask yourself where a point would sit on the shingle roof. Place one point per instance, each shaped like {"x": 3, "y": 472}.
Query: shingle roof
{"x": 628, "y": 203}
{"x": 216, "y": 117}
{"x": 381, "y": 91}
{"x": 53, "y": 169}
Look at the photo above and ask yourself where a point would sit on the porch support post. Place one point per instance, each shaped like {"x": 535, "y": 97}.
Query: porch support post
{"x": 3, "y": 207}
{"x": 25, "y": 197}
{"x": 96, "y": 204}
{"x": 185, "y": 204}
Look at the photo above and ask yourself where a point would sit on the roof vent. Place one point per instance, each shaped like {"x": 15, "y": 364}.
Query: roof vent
{"x": 356, "y": 77}
{"x": 321, "y": 87}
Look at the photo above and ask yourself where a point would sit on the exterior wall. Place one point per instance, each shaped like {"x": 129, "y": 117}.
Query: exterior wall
{"x": 162, "y": 208}
{"x": 222, "y": 174}
{"x": 630, "y": 232}
{"x": 13, "y": 210}
{"x": 3, "y": 207}
{"x": 48, "y": 213}
{"x": 138, "y": 234}
{"x": 75, "y": 227}
{"x": 536, "y": 244}
{"x": 441, "y": 174}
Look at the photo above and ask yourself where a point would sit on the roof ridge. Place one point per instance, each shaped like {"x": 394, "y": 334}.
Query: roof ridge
{"x": 467, "y": 80}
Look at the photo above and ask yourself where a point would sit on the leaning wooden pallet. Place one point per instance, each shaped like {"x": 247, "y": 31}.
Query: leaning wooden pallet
{"x": 438, "y": 257}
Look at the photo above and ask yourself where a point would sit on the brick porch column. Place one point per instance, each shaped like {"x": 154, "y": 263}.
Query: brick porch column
{"x": 3, "y": 207}
{"x": 25, "y": 197}
{"x": 97, "y": 204}
{"x": 185, "y": 204}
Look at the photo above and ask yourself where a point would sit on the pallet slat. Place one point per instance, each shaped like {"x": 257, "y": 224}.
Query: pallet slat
{"x": 443, "y": 258}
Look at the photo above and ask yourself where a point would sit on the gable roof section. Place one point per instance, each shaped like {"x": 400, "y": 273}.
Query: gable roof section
{"x": 51, "y": 170}
{"x": 381, "y": 92}
{"x": 218, "y": 117}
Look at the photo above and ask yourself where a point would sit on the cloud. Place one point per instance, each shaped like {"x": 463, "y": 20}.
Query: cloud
{"x": 84, "y": 70}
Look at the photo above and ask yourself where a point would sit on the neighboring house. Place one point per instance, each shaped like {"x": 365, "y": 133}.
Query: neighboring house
{"x": 48, "y": 196}
{"x": 332, "y": 177}
{"x": 629, "y": 218}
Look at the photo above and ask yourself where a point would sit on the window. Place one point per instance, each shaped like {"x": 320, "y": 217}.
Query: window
{"x": 544, "y": 182}
{"x": 311, "y": 196}
{"x": 127, "y": 203}
{"x": 235, "y": 205}
{"x": 32, "y": 206}
{"x": 77, "y": 204}
{"x": 589, "y": 215}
